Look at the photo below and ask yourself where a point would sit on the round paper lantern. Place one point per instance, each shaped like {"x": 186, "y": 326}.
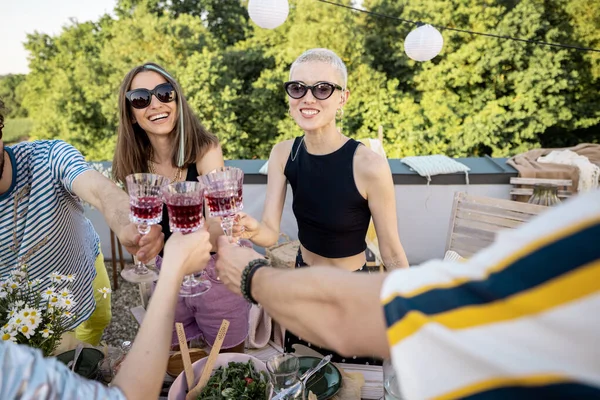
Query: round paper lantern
{"x": 423, "y": 43}
{"x": 268, "y": 14}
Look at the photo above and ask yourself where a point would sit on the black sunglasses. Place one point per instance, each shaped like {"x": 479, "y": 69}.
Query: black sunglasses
{"x": 320, "y": 90}
{"x": 141, "y": 98}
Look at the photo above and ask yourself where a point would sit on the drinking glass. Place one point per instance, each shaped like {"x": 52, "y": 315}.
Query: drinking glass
{"x": 283, "y": 373}
{"x": 145, "y": 205}
{"x": 224, "y": 195}
{"x": 184, "y": 202}
{"x": 390, "y": 382}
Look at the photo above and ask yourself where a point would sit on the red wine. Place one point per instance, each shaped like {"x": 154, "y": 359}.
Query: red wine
{"x": 146, "y": 209}
{"x": 222, "y": 203}
{"x": 185, "y": 217}
{"x": 239, "y": 200}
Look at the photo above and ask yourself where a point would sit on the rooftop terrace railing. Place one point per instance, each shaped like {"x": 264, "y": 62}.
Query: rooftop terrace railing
{"x": 423, "y": 211}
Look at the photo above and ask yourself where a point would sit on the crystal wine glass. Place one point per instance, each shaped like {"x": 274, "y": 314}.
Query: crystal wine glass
{"x": 224, "y": 195}
{"x": 184, "y": 202}
{"x": 145, "y": 204}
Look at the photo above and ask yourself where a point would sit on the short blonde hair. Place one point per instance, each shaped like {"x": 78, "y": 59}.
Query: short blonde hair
{"x": 326, "y": 56}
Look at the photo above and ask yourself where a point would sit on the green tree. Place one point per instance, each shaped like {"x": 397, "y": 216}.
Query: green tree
{"x": 480, "y": 96}
{"x": 10, "y": 94}
{"x": 72, "y": 88}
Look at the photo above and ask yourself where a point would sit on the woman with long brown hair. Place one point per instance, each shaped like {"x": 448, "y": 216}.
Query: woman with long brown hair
{"x": 159, "y": 133}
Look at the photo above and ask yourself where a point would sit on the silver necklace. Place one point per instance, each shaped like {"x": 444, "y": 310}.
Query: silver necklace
{"x": 298, "y": 149}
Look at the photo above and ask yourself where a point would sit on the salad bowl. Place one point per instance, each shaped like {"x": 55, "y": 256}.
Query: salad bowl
{"x": 179, "y": 387}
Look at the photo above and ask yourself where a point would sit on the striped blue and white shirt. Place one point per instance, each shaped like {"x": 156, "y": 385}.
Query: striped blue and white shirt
{"x": 519, "y": 320}
{"x": 42, "y": 181}
{"x": 26, "y": 374}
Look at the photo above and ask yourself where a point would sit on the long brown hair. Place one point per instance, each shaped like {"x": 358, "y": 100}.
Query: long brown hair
{"x": 133, "y": 145}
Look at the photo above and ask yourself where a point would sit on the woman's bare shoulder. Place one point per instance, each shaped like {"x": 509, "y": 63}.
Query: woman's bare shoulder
{"x": 281, "y": 150}
{"x": 210, "y": 160}
{"x": 370, "y": 164}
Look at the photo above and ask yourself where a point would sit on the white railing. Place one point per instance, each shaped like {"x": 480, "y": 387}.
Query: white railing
{"x": 423, "y": 215}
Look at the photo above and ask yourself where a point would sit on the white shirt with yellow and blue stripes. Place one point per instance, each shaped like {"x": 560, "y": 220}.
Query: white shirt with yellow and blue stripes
{"x": 519, "y": 320}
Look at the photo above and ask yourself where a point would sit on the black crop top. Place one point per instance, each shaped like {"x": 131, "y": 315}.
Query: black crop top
{"x": 332, "y": 215}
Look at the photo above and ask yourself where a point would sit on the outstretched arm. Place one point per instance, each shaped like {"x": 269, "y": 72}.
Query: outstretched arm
{"x": 141, "y": 374}
{"x": 27, "y": 374}
{"x": 94, "y": 188}
{"x": 266, "y": 232}
{"x": 325, "y": 306}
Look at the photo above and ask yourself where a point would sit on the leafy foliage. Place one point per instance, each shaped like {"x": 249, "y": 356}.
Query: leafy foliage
{"x": 16, "y": 130}
{"x": 10, "y": 94}
{"x": 480, "y": 96}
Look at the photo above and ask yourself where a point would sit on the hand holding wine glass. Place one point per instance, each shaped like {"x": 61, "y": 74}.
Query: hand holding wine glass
{"x": 224, "y": 196}
{"x": 185, "y": 201}
{"x": 144, "y": 247}
{"x": 190, "y": 252}
{"x": 245, "y": 226}
{"x": 145, "y": 204}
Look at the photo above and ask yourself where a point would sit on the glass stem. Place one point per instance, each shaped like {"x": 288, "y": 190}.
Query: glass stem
{"x": 140, "y": 267}
{"x": 227, "y": 225}
{"x": 188, "y": 280}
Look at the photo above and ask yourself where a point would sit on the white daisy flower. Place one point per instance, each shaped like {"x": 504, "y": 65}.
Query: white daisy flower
{"x": 55, "y": 277}
{"x": 34, "y": 312}
{"x": 37, "y": 281}
{"x": 12, "y": 312}
{"x": 53, "y": 301}
{"x": 69, "y": 277}
{"x": 9, "y": 336}
{"x": 11, "y": 285}
{"x": 67, "y": 303}
{"x": 65, "y": 293}
{"x": 18, "y": 303}
{"x": 19, "y": 274}
{"x": 68, "y": 314}
{"x": 33, "y": 322}
{"x": 3, "y": 293}
{"x": 27, "y": 330}
{"x": 17, "y": 321}
{"x": 105, "y": 291}
{"x": 46, "y": 332}
{"x": 50, "y": 292}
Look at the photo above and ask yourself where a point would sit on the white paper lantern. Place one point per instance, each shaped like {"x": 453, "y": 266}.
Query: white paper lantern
{"x": 268, "y": 14}
{"x": 423, "y": 43}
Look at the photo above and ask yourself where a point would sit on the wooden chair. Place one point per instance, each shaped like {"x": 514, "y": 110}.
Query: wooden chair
{"x": 563, "y": 185}
{"x": 114, "y": 243}
{"x": 475, "y": 221}
{"x": 372, "y": 242}
{"x": 139, "y": 312}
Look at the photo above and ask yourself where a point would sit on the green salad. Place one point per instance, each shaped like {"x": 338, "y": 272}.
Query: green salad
{"x": 237, "y": 381}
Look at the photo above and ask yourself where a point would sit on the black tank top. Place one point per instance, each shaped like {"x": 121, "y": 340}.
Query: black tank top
{"x": 332, "y": 215}
{"x": 192, "y": 176}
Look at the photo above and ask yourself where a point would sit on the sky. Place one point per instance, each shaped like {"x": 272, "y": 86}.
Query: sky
{"x": 20, "y": 17}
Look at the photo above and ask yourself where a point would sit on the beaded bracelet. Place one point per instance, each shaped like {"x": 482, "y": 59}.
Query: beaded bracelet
{"x": 247, "y": 275}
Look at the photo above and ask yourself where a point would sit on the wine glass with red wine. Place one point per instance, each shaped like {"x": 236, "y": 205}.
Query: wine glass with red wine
{"x": 145, "y": 205}
{"x": 184, "y": 202}
{"x": 223, "y": 195}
